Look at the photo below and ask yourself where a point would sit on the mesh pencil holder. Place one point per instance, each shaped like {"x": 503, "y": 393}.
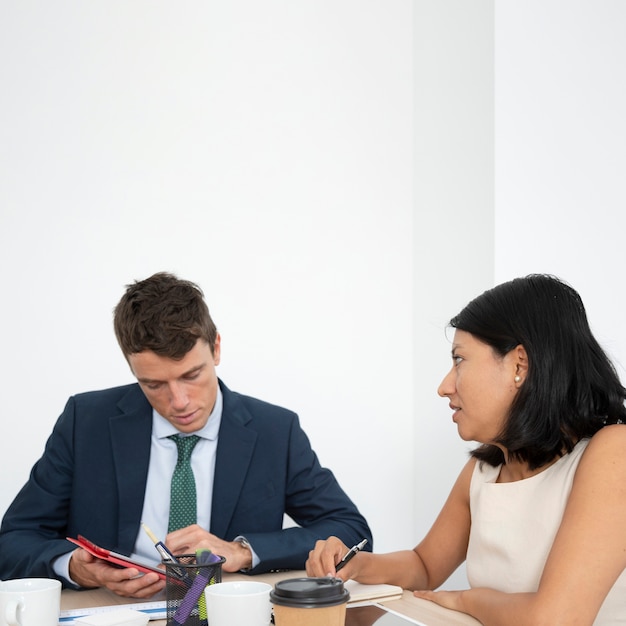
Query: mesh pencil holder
{"x": 185, "y": 583}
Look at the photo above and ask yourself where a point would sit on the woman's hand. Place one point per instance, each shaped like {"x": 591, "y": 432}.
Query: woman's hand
{"x": 325, "y": 555}
{"x": 446, "y": 599}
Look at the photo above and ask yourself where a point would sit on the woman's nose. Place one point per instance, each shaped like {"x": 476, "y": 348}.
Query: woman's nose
{"x": 446, "y": 386}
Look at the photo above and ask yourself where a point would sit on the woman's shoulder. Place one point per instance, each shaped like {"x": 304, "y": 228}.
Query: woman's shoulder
{"x": 605, "y": 452}
{"x": 612, "y": 437}
{"x": 464, "y": 481}
{"x": 482, "y": 472}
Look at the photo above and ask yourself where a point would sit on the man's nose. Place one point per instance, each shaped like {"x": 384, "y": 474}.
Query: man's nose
{"x": 178, "y": 396}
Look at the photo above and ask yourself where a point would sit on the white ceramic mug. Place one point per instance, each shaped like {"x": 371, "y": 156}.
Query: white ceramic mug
{"x": 30, "y": 602}
{"x": 244, "y": 603}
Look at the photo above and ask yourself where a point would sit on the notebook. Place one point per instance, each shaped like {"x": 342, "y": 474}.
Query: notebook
{"x": 361, "y": 593}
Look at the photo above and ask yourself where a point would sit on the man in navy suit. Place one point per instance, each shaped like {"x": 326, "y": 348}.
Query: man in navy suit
{"x": 108, "y": 464}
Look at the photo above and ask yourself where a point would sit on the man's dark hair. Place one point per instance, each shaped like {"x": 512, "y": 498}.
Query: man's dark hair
{"x": 164, "y": 314}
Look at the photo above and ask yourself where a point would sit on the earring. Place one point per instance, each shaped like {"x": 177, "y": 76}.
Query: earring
{"x": 517, "y": 379}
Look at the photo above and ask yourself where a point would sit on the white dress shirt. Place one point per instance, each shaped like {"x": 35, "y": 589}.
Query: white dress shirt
{"x": 163, "y": 457}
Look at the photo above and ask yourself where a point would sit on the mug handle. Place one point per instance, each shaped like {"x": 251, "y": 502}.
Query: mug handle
{"x": 10, "y": 613}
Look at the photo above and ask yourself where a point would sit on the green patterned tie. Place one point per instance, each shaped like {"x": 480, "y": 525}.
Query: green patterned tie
{"x": 183, "y": 491}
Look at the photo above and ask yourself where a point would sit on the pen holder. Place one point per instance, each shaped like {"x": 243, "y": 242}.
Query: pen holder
{"x": 185, "y": 583}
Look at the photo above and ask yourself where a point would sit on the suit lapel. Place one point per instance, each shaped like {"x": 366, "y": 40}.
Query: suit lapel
{"x": 130, "y": 437}
{"x": 234, "y": 452}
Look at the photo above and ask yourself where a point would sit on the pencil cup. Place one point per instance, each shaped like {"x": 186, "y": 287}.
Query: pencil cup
{"x": 30, "y": 602}
{"x": 310, "y": 602}
{"x": 185, "y": 583}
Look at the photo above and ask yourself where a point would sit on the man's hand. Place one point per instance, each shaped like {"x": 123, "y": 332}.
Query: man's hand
{"x": 188, "y": 540}
{"x": 88, "y": 571}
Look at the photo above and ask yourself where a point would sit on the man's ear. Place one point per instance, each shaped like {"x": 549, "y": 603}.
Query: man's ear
{"x": 217, "y": 349}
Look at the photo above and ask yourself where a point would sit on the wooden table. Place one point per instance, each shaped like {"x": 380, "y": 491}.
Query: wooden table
{"x": 422, "y": 610}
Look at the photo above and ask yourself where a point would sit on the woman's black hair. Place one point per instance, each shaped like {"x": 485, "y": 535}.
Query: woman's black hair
{"x": 571, "y": 389}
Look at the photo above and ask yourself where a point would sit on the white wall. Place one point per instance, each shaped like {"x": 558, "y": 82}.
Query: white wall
{"x": 561, "y": 151}
{"x": 327, "y": 171}
{"x": 262, "y": 150}
{"x": 453, "y": 223}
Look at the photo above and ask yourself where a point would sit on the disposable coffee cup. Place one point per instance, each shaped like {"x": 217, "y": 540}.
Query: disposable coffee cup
{"x": 30, "y": 602}
{"x": 310, "y": 602}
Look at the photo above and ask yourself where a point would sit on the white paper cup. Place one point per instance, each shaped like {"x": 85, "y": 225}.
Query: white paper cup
{"x": 244, "y": 603}
{"x": 30, "y": 602}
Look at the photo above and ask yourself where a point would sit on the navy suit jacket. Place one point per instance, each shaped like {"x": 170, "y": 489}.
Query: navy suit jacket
{"x": 92, "y": 475}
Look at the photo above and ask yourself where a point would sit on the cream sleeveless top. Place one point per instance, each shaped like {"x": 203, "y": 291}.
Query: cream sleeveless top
{"x": 513, "y": 528}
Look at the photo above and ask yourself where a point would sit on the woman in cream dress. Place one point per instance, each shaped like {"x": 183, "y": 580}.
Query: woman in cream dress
{"x": 539, "y": 511}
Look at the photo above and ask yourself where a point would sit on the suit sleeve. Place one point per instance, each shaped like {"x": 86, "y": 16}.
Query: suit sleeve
{"x": 34, "y": 527}
{"x": 316, "y": 503}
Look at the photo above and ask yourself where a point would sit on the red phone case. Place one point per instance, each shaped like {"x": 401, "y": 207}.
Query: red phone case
{"x": 114, "y": 557}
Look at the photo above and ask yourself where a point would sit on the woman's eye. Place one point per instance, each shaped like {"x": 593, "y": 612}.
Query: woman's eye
{"x": 456, "y": 359}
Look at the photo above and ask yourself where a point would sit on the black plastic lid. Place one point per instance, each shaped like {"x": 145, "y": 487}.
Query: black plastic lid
{"x": 309, "y": 592}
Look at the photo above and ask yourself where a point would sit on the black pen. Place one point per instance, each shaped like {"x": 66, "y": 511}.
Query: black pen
{"x": 350, "y": 553}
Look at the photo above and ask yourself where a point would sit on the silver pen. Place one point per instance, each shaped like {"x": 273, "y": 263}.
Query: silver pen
{"x": 351, "y": 552}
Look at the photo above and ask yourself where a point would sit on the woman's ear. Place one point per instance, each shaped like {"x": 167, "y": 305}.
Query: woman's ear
{"x": 521, "y": 364}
